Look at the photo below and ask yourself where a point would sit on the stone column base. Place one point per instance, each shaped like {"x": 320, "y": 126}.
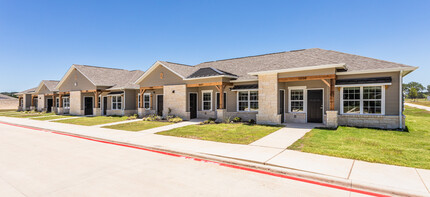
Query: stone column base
{"x": 332, "y": 119}
{"x": 269, "y": 119}
{"x": 140, "y": 112}
{"x": 221, "y": 115}
{"x": 32, "y": 108}
{"x": 60, "y": 110}
{"x": 97, "y": 111}
{"x": 54, "y": 110}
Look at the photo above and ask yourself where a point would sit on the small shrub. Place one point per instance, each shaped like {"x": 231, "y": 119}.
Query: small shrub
{"x": 133, "y": 117}
{"x": 175, "y": 120}
{"x": 251, "y": 121}
{"x": 211, "y": 122}
{"x": 237, "y": 119}
{"x": 227, "y": 120}
{"x": 206, "y": 122}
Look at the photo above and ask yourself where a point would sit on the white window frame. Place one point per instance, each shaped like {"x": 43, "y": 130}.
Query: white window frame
{"x": 149, "y": 101}
{"x": 203, "y": 100}
{"x": 249, "y": 101}
{"x": 362, "y": 100}
{"x": 216, "y": 100}
{"x": 112, "y": 102}
{"x": 57, "y": 102}
{"x": 64, "y": 102}
{"x": 305, "y": 97}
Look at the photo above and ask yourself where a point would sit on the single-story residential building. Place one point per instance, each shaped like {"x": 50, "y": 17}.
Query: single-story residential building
{"x": 93, "y": 90}
{"x": 8, "y": 102}
{"x": 301, "y": 86}
{"x": 46, "y": 100}
{"x": 26, "y": 99}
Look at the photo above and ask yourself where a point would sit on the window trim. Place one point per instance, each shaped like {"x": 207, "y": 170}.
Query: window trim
{"x": 149, "y": 102}
{"x": 362, "y": 101}
{"x": 111, "y": 103}
{"x": 203, "y": 100}
{"x": 305, "y": 98}
{"x": 249, "y": 100}
{"x": 64, "y": 103}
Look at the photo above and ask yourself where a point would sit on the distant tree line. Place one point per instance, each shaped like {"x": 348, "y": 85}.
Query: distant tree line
{"x": 415, "y": 90}
{"x": 12, "y": 94}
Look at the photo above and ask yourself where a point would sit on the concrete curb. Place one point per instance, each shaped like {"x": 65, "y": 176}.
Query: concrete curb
{"x": 353, "y": 184}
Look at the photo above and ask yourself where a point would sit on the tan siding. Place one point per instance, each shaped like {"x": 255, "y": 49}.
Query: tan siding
{"x": 391, "y": 93}
{"x": 82, "y": 83}
{"x": 169, "y": 78}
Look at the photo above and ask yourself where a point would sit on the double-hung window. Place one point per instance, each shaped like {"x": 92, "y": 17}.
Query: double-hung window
{"x": 66, "y": 103}
{"x": 146, "y": 101}
{"x": 297, "y": 100}
{"x": 116, "y": 102}
{"x": 57, "y": 102}
{"x": 247, "y": 100}
{"x": 207, "y": 100}
{"x": 363, "y": 100}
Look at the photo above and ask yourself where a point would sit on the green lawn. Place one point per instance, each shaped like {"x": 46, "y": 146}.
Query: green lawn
{"x": 90, "y": 121}
{"x": 424, "y": 102}
{"x": 228, "y": 133}
{"x": 50, "y": 117}
{"x": 138, "y": 126}
{"x": 16, "y": 114}
{"x": 410, "y": 148}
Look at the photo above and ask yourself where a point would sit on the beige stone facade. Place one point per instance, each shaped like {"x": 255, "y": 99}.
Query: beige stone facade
{"x": 175, "y": 101}
{"x": 268, "y": 99}
{"x": 374, "y": 121}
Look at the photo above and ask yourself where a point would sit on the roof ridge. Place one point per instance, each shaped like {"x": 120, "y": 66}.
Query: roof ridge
{"x": 100, "y": 67}
{"x": 368, "y": 57}
{"x": 178, "y": 63}
{"x": 256, "y": 55}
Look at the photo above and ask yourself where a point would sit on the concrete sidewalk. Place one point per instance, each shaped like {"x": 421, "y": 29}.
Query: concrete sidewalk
{"x": 358, "y": 174}
{"x": 418, "y": 106}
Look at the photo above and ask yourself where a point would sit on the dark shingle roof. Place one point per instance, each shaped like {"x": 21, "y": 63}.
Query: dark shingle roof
{"x": 6, "y": 97}
{"x": 50, "y": 84}
{"x": 363, "y": 81}
{"x": 209, "y": 72}
{"x": 111, "y": 77}
{"x": 29, "y": 91}
{"x": 288, "y": 60}
{"x": 245, "y": 87}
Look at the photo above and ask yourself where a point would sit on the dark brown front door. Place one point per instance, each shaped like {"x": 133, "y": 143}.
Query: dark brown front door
{"x": 49, "y": 104}
{"x": 193, "y": 105}
{"x": 160, "y": 105}
{"x": 105, "y": 105}
{"x": 282, "y": 104}
{"x": 88, "y": 103}
{"x": 315, "y": 106}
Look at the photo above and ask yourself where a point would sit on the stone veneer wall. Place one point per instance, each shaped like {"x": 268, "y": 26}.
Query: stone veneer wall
{"x": 268, "y": 99}
{"x": 41, "y": 102}
{"x": 206, "y": 114}
{"x": 9, "y": 103}
{"x": 175, "y": 98}
{"x": 295, "y": 117}
{"x": 375, "y": 121}
{"x": 75, "y": 103}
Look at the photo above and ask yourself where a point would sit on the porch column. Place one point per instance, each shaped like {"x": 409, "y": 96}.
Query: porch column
{"x": 332, "y": 84}
{"x": 332, "y": 119}
{"x": 54, "y": 104}
{"x": 96, "y": 111}
{"x": 268, "y": 96}
{"x": 150, "y": 102}
{"x": 20, "y": 103}
{"x": 140, "y": 110}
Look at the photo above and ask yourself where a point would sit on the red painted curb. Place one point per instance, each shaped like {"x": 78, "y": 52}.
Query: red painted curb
{"x": 213, "y": 162}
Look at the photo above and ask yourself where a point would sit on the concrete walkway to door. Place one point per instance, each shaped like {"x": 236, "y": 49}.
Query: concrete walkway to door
{"x": 283, "y": 138}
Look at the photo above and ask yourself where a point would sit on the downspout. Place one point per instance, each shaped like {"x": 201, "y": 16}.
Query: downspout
{"x": 401, "y": 99}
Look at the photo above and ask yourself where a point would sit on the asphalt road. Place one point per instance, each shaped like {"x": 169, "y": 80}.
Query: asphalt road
{"x": 37, "y": 163}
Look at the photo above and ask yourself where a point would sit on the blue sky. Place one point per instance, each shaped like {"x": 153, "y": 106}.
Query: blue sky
{"x": 42, "y": 39}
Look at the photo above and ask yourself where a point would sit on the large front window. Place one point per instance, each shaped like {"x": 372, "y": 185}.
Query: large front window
{"x": 363, "y": 100}
{"x": 297, "y": 98}
{"x": 207, "y": 101}
{"x": 116, "y": 103}
{"x": 247, "y": 100}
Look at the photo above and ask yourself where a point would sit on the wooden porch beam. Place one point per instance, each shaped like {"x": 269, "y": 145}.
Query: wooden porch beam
{"x": 327, "y": 83}
{"x": 207, "y": 84}
{"x": 307, "y": 78}
{"x": 96, "y": 99}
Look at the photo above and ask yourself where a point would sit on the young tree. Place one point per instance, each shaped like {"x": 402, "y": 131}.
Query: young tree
{"x": 413, "y": 93}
